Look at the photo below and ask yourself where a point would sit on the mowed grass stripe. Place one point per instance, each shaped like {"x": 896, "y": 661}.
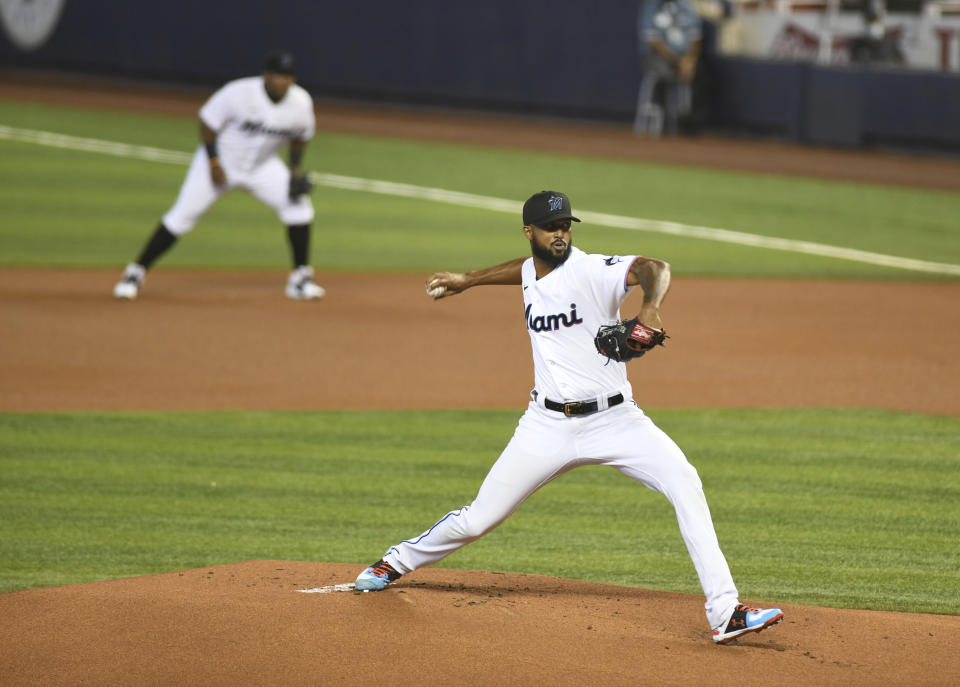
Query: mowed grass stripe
{"x": 847, "y": 508}
{"x": 501, "y": 204}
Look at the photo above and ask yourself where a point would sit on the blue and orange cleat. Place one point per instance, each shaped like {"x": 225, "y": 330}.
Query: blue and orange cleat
{"x": 376, "y": 577}
{"x": 745, "y": 619}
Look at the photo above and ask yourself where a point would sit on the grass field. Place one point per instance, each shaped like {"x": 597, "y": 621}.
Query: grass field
{"x": 71, "y": 208}
{"x": 852, "y": 508}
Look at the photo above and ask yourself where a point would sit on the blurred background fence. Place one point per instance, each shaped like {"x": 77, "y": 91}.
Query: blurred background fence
{"x": 805, "y": 72}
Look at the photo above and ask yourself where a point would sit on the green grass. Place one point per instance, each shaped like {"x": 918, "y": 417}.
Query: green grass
{"x": 853, "y": 509}
{"x": 68, "y": 208}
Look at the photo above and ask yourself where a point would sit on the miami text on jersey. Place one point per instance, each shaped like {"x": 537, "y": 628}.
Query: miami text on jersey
{"x": 548, "y": 323}
{"x": 250, "y": 127}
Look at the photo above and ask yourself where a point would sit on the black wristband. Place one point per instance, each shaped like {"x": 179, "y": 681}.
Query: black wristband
{"x": 295, "y": 157}
{"x": 211, "y": 150}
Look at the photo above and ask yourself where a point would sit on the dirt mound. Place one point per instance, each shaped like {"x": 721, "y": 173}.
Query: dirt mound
{"x": 248, "y": 624}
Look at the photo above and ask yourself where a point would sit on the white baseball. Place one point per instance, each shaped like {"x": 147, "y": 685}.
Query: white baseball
{"x": 436, "y": 291}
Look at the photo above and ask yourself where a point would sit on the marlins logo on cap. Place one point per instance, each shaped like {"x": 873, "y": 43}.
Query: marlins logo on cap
{"x": 280, "y": 62}
{"x": 545, "y": 207}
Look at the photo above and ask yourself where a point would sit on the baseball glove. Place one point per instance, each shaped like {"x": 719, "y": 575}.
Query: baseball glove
{"x": 627, "y": 339}
{"x": 299, "y": 185}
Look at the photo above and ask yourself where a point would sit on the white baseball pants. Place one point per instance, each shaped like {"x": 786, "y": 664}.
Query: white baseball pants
{"x": 269, "y": 183}
{"x": 544, "y": 446}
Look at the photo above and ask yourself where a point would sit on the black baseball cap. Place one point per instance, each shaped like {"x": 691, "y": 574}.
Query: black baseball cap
{"x": 279, "y": 62}
{"x": 545, "y": 207}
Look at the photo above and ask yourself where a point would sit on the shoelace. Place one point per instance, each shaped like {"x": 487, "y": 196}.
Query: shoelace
{"x": 382, "y": 569}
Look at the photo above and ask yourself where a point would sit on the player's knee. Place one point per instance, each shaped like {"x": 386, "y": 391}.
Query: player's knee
{"x": 178, "y": 225}
{"x": 686, "y": 477}
{"x": 692, "y": 476}
{"x": 473, "y": 528}
{"x": 298, "y": 213}
{"x": 474, "y": 524}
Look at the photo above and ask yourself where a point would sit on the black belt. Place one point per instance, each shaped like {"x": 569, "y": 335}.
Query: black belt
{"x": 580, "y": 407}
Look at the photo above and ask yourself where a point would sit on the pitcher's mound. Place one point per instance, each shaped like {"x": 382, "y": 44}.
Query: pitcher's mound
{"x": 251, "y": 624}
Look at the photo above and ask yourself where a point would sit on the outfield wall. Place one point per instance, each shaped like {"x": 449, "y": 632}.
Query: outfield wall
{"x": 531, "y": 56}
{"x": 844, "y": 106}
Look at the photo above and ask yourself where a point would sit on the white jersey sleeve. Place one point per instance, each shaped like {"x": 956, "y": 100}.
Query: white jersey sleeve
{"x": 305, "y": 107}
{"x": 219, "y": 109}
{"x": 608, "y": 279}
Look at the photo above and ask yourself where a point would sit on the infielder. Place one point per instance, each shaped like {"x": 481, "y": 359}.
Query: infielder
{"x": 242, "y": 127}
{"x": 581, "y": 411}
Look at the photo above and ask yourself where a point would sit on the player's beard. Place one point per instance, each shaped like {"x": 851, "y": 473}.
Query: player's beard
{"x": 548, "y": 256}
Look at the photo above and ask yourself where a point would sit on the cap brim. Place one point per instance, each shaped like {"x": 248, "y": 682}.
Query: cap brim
{"x": 552, "y": 218}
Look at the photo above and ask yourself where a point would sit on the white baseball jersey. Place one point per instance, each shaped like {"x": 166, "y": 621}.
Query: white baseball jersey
{"x": 251, "y": 128}
{"x": 563, "y": 311}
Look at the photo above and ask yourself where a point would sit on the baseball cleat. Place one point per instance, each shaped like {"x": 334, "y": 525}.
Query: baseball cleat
{"x": 129, "y": 285}
{"x": 745, "y": 619}
{"x": 376, "y": 577}
{"x": 301, "y": 287}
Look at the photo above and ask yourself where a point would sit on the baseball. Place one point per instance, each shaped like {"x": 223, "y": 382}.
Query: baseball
{"x": 436, "y": 291}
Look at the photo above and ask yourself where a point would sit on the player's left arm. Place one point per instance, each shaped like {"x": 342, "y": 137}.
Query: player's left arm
{"x": 306, "y": 127}
{"x": 653, "y": 276}
{"x": 687, "y": 66}
{"x": 299, "y": 182}
{"x": 297, "y": 147}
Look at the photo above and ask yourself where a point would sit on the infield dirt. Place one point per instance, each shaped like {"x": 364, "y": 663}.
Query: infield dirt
{"x": 202, "y": 340}
{"x": 230, "y": 340}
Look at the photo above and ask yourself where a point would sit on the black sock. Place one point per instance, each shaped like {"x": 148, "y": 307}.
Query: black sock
{"x": 158, "y": 244}
{"x": 299, "y": 235}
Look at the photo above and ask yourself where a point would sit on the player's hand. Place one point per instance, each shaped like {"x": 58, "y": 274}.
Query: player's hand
{"x": 650, "y": 315}
{"x": 217, "y": 175}
{"x": 687, "y": 68}
{"x": 442, "y": 284}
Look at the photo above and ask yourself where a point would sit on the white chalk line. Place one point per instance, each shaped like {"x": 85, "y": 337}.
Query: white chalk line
{"x": 330, "y": 589}
{"x": 93, "y": 145}
{"x": 461, "y": 199}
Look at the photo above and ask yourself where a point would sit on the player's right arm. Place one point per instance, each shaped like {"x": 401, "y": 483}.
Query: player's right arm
{"x": 215, "y": 114}
{"x": 653, "y": 276}
{"x": 209, "y": 139}
{"x": 506, "y": 273}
